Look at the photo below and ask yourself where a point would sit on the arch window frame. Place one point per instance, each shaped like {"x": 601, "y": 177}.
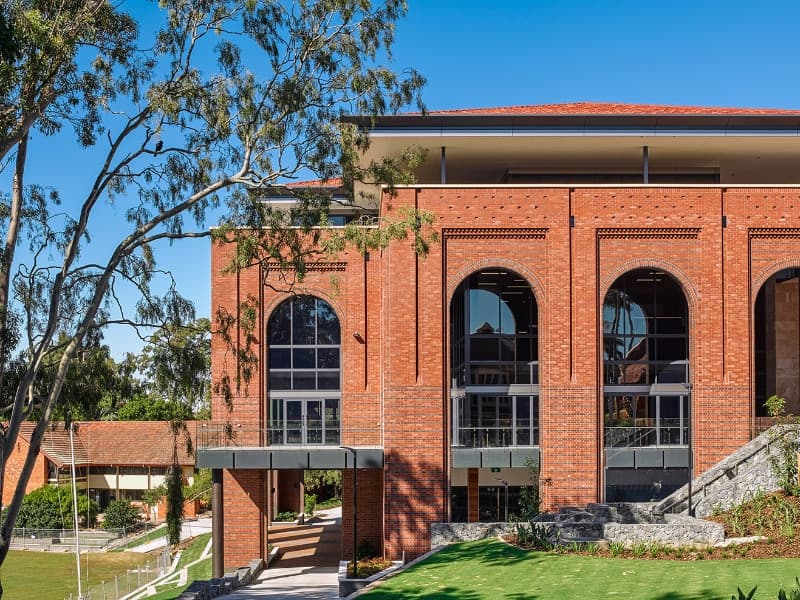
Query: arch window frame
{"x": 305, "y": 359}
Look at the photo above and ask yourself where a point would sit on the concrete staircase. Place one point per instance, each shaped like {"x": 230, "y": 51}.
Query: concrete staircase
{"x": 733, "y": 480}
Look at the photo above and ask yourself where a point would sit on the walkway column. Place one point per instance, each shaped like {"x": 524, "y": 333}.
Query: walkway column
{"x": 473, "y": 495}
{"x": 217, "y": 525}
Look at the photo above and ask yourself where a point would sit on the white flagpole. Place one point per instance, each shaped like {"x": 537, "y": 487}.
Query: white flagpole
{"x": 75, "y": 513}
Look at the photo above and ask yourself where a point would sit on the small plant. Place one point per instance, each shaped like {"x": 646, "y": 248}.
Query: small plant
{"x": 638, "y": 550}
{"x": 616, "y": 549}
{"x": 794, "y": 593}
{"x": 121, "y": 514}
{"x": 592, "y": 548}
{"x": 742, "y": 595}
{"x": 310, "y": 504}
{"x": 784, "y": 462}
{"x": 367, "y": 567}
{"x": 533, "y": 536}
{"x": 287, "y": 515}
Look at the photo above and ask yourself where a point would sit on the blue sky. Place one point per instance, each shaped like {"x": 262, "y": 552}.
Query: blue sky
{"x": 501, "y": 53}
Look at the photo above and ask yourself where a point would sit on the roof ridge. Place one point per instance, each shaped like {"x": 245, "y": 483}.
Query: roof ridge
{"x": 613, "y": 109}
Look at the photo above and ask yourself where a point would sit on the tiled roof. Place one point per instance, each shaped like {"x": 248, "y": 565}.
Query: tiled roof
{"x": 55, "y": 444}
{"x": 333, "y": 182}
{"x": 616, "y": 108}
{"x": 133, "y": 443}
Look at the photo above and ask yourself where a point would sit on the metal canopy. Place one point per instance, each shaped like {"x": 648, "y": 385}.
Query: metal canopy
{"x": 296, "y": 457}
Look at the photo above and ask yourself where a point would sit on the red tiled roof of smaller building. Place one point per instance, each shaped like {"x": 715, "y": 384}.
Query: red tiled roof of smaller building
{"x": 132, "y": 443}
{"x": 615, "y": 109}
{"x": 333, "y": 182}
{"x": 56, "y": 443}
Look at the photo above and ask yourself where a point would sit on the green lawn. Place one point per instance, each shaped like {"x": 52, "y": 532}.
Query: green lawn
{"x": 200, "y": 571}
{"x": 28, "y": 575}
{"x": 154, "y": 534}
{"x": 492, "y": 569}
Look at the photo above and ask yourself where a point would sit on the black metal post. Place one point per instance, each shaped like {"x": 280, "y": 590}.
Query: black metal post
{"x": 217, "y": 526}
{"x": 355, "y": 508}
{"x": 505, "y": 485}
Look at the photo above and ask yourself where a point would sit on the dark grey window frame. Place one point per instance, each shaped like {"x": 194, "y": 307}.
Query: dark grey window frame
{"x": 279, "y": 430}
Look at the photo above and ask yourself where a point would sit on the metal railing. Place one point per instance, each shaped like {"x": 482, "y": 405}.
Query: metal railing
{"x": 217, "y": 435}
{"x": 24, "y": 538}
{"x": 495, "y": 437}
{"x": 666, "y": 433}
{"x": 125, "y": 583}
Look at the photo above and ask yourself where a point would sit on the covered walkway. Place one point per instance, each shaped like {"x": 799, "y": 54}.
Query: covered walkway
{"x": 307, "y": 564}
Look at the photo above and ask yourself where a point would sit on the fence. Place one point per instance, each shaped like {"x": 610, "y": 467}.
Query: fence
{"x": 125, "y": 583}
{"x": 23, "y": 538}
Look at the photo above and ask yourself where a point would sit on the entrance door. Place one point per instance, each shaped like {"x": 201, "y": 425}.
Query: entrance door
{"x": 304, "y": 421}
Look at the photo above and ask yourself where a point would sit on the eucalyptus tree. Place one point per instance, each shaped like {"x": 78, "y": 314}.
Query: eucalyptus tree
{"x": 181, "y": 126}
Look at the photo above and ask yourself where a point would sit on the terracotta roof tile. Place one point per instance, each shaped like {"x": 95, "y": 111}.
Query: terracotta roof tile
{"x": 333, "y": 182}
{"x": 616, "y": 108}
{"x": 133, "y": 443}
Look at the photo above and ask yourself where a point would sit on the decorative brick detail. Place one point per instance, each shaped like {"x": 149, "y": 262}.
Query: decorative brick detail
{"x": 570, "y": 244}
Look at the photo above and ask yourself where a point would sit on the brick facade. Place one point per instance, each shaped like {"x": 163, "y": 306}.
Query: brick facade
{"x": 14, "y": 466}
{"x": 720, "y": 243}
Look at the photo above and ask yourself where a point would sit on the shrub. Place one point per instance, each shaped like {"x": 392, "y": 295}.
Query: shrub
{"x": 121, "y": 514}
{"x": 287, "y": 515}
{"x": 50, "y": 507}
{"x": 784, "y": 464}
{"x": 310, "y": 504}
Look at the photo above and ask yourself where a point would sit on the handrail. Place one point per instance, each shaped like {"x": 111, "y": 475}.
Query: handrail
{"x": 682, "y": 493}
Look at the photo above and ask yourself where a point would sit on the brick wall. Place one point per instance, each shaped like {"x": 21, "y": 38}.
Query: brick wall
{"x": 399, "y": 303}
{"x": 14, "y": 467}
{"x": 369, "y": 511}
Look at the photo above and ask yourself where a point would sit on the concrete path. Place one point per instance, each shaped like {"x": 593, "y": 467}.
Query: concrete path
{"x": 190, "y": 528}
{"x": 307, "y": 565}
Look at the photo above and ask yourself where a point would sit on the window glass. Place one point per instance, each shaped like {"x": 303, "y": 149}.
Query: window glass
{"x": 296, "y": 328}
{"x": 280, "y": 324}
{"x": 304, "y": 358}
{"x": 279, "y": 358}
{"x": 304, "y": 320}
{"x": 304, "y": 380}
{"x": 328, "y": 358}
{"x": 327, "y": 323}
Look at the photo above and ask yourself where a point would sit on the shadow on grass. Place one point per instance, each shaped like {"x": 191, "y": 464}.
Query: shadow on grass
{"x": 445, "y": 593}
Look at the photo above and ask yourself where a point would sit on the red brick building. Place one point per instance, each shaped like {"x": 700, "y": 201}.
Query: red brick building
{"x": 114, "y": 460}
{"x": 613, "y": 296}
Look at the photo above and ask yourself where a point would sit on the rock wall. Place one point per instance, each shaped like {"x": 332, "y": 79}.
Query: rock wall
{"x": 733, "y": 480}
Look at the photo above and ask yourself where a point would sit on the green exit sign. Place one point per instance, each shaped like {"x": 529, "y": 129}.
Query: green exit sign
{"x": 495, "y": 469}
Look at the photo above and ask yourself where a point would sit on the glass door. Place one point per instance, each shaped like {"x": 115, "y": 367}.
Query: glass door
{"x": 294, "y": 421}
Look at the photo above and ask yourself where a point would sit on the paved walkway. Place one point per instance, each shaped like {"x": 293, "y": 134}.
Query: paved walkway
{"x": 307, "y": 565}
{"x": 189, "y": 528}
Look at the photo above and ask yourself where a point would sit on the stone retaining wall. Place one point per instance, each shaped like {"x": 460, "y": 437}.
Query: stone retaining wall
{"x": 450, "y": 533}
{"x": 733, "y": 480}
{"x": 677, "y": 530}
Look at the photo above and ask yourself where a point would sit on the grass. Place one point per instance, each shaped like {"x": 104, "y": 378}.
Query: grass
{"x": 28, "y": 575}
{"x": 329, "y": 503}
{"x": 492, "y": 569}
{"x": 154, "y": 534}
{"x": 201, "y": 570}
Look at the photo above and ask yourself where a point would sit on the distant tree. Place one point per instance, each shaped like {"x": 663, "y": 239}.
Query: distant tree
{"x": 174, "y": 484}
{"x": 147, "y": 408}
{"x": 225, "y": 99}
{"x": 323, "y": 483}
{"x": 176, "y": 365}
{"x": 121, "y": 514}
{"x": 50, "y": 507}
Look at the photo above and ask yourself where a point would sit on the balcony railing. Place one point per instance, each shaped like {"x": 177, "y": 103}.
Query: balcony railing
{"x": 495, "y": 437}
{"x": 669, "y": 432}
{"x": 219, "y": 435}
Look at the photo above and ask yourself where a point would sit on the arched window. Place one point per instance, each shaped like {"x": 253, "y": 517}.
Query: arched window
{"x": 646, "y": 377}
{"x": 777, "y": 341}
{"x": 304, "y": 372}
{"x": 494, "y": 361}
